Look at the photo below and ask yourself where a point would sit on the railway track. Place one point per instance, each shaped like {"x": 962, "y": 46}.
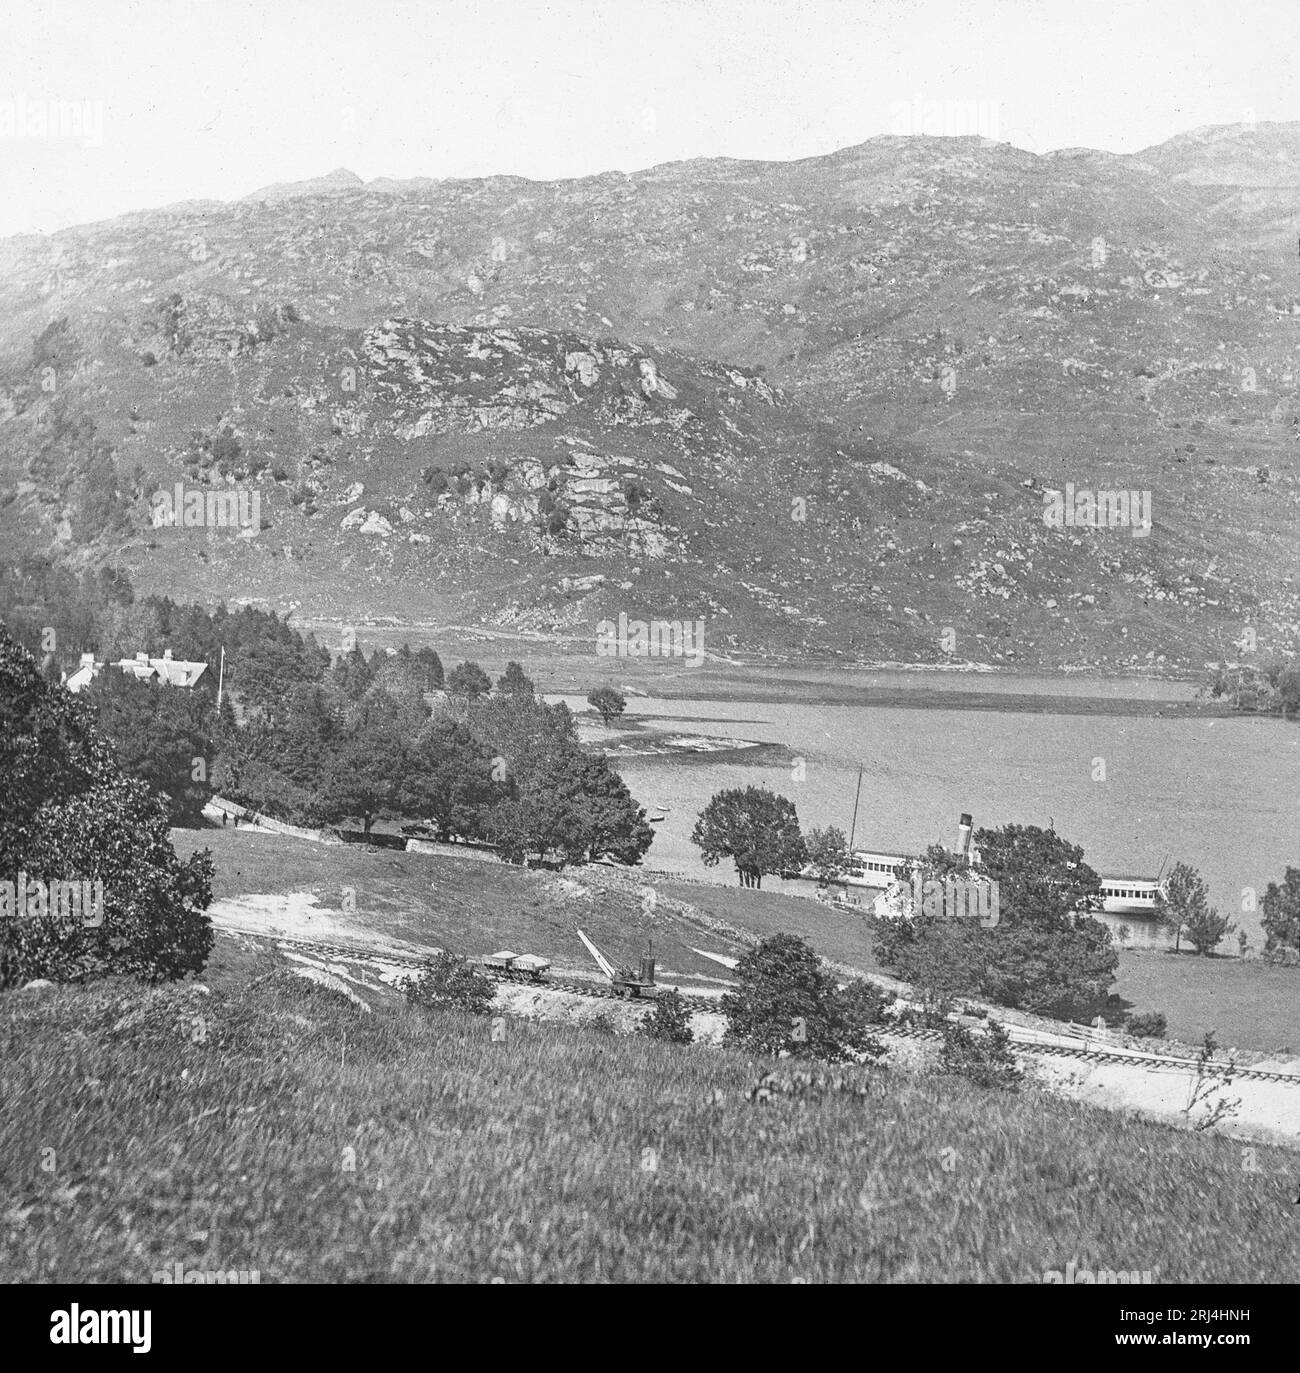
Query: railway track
{"x": 589, "y": 989}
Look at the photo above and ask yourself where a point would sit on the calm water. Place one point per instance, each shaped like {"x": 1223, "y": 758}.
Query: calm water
{"x": 1220, "y": 794}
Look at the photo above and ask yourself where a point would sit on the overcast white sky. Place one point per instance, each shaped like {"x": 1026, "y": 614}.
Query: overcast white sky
{"x": 214, "y": 98}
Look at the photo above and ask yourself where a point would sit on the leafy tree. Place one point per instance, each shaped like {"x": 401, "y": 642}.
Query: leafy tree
{"x": 608, "y": 701}
{"x": 1184, "y": 907}
{"x": 351, "y": 674}
{"x": 513, "y": 682}
{"x": 448, "y": 780}
{"x": 1281, "y": 914}
{"x": 562, "y": 803}
{"x": 1047, "y": 954}
{"x": 404, "y": 680}
{"x": 669, "y": 1021}
{"x": 67, "y": 814}
{"x": 162, "y": 735}
{"x": 571, "y": 807}
{"x": 468, "y": 680}
{"x": 828, "y": 852}
{"x": 785, "y": 1001}
{"x": 1042, "y": 879}
{"x": 429, "y": 666}
{"x": 365, "y": 778}
{"x": 756, "y": 828}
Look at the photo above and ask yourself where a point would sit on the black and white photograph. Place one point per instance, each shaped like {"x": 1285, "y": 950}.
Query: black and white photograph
{"x": 649, "y": 644}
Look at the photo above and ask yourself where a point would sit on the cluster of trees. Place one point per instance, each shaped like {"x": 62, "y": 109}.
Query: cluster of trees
{"x": 68, "y": 813}
{"x": 315, "y": 739}
{"x": 491, "y": 763}
{"x": 1272, "y": 688}
{"x": 1047, "y": 955}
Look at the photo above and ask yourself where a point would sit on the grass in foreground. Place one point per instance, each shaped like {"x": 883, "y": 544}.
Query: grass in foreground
{"x": 308, "y": 1141}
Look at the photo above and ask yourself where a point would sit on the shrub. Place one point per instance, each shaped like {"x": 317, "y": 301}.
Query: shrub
{"x": 786, "y": 1002}
{"x": 986, "y": 1060}
{"x": 1147, "y": 1025}
{"x": 670, "y": 1021}
{"x": 449, "y": 982}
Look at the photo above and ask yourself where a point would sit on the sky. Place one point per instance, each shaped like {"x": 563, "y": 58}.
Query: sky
{"x": 108, "y": 106}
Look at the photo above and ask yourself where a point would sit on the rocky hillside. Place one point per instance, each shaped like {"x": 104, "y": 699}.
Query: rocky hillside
{"x": 815, "y": 403}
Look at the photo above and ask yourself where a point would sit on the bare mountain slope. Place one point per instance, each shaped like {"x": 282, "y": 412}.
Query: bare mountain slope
{"x": 640, "y": 378}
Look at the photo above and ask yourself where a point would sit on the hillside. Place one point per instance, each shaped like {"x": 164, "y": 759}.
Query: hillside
{"x": 410, "y": 1146}
{"x": 535, "y": 405}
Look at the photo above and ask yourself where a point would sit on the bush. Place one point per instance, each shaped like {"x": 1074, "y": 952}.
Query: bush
{"x": 986, "y": 1060}
{"x": 1147, "y": 1025}
{"x": 670, "y": 1021}
{"x": 786, "y": 1002}
{"x": 448, "y": 982}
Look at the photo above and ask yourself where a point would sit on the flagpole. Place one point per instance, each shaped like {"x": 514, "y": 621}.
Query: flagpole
{"x": 221, "y": 677}
{"x": 854, "y": 829}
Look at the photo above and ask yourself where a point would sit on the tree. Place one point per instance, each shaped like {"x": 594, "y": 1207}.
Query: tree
{"x": 469, "y": 681}
{"x": 1047, "y": 955}
{"x": 351, "y": 674}
{"x": 570, "y": 807}
{"x": 828, "y": 852}
{"x": 1184, "y": 908}
{"x": 609, "y": 823}
{"x": 756, "y": 828}
{"x": 430, "y": 667}
{"x": 608, "y": 701}
{"x": 1281, "y": 917}
{"x": 67, "y": 814}
{"x": 160, "y": 734}
{"x": 785, "y": 1001}
{"x": 512, "y": 682}
{"x": 366, "y": 777}
{"x": 448, "y": 780}
{"x": 1042, "y": 879}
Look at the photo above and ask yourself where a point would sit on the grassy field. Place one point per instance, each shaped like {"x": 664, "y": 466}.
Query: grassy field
{"x": 1248, "y": 1004}
{"x": 839, "y": 935}
{"x": 471, "y": 906}
{"x": 310, "y": 1142}
{"x": 477, "y": 907}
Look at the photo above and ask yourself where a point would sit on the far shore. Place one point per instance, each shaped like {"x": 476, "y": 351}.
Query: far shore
{"x": 569, "y": 666}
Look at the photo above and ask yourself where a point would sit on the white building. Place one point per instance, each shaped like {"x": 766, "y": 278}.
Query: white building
{"x": 168, "y": 670}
